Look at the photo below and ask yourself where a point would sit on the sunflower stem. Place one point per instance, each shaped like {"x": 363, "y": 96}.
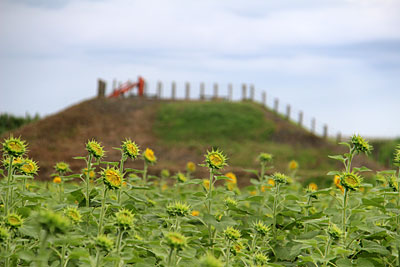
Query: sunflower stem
{"x": 61, "y": 189}
{"x": 8, "y": 250}
{"x": 121, "y": 170}
{"x": 275, "y": 207}
{"x": 209, "y": 193}
{"x": 345, "y": 197}
{"x": 170, "y": 256}
{"x": 328, "y": 244}
{"x": 97, "y": 258}
{"x": 103, "y": 204}
{"x": 42, "y": 257}
{"x": 9, "y": 177}
{"x": 262, "y": 173}
{"x": 209, "y": 197}
{"x": 119, "y": 240}
{"x": 89, "y": 166}
{"x": 62, "y": 257}
{"x": 397, "y": 217}
{"x": 253, "y": 243}
{"x": 309, "y": 201}
{"x": 145, "y": 173}
{"x": 228, "y": 252}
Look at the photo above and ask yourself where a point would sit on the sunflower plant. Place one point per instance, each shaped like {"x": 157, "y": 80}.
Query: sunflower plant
{"x": 274, "y": 222}
{"x": 350, "y": 178}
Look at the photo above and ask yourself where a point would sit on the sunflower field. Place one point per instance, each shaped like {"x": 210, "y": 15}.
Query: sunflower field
{"x": 110, "y": 215}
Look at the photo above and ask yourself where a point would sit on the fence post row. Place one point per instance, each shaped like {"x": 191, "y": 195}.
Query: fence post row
{"x": 114, "y": 84}
{"x": 230, "y": 90}
{"x": 300, "y": 118}
{"x": 173, "y": 91}
{"x": 339, "y": 137}
{"x": 187, "y": 91}
{"x": 325, "y": 133}
{"x": 244, "y": 91}
{"x": 313, "y": 125}
{"x": 101, "y": 88}
{"x": 264, "y": 98}
{"x": 288, "y": 112}
{"x": 159, "y": 89}
{"x": 251, "y": 92}
{"x": 202, "y": 90}
{"x": 276, "y": 105}
{"x": 215, "y": 90}
{"x": 145, "y": 89}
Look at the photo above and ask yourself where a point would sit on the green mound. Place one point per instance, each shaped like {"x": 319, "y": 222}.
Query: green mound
{"x": 211, "y": 122}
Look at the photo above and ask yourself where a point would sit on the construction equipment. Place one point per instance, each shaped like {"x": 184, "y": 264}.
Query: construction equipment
{"x": 126, "y": 87}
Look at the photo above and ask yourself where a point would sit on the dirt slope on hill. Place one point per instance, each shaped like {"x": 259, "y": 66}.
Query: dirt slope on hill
{"x": 62, "y": 136}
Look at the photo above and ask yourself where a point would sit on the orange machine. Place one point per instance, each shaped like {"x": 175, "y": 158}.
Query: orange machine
{"x": 126, "y": 87}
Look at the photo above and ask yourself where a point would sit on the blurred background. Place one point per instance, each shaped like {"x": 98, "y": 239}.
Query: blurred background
{"x": 336, "y": 60}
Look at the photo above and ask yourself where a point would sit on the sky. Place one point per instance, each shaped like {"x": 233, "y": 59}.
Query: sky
{"x": 336, "y": 60}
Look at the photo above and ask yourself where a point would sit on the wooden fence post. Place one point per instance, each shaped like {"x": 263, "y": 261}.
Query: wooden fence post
{"x": 244, "y": 91}
{"x": 130, "y": 93}
{"x": 101, "y": 88}
{"x": 114, "y": 85}
{"x": 173, "y": 91}
{"x": 202, "y": 91}
{"x": 300, "y": 118}
{"x": 276, "y": 105}
{"x": 145, "y": 88}
{"x": 187, "y": 93}
{"x": 215, "y": 91}
{"x": 339, "y": 137}
{"x": 119, "y": 86}
{"x": 288, "y": 112}
{"x": 325, "y": 134}
{"x": 159, "y": 89}
{"x": 264, "y": 98}
{"x": 230, "y": 92}
{"x": 313, "y": 125}
{"x": 251, "y": 92}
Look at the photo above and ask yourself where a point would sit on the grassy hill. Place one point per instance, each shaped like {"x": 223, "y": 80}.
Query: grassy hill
{"x": 179, "y": 132}
{"x": 384, "y": 150}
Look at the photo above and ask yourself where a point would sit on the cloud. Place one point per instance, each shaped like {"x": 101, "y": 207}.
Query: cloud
{"x": 321, "y": 56}
{"x": 196, "y": 26}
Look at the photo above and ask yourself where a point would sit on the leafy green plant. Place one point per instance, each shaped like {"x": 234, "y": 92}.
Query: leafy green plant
{"x": 123, "y": 219}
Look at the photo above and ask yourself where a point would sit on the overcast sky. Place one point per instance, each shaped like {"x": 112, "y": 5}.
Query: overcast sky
{"x": 337, "y": 60}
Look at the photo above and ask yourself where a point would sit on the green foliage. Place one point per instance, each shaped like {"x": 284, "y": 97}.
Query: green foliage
{"x": 140, "y": 224}
{"x": 210, "y": 122}
{"x": 10, "y": 122}
{"x": 384, "y": 150}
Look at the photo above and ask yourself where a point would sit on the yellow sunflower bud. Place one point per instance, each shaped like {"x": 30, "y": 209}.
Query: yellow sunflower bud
{"x": 29, "y": 167}
{"x": 112, "y": 178}
{"x": 14, "y": 147}
{"x": 215, "y": 159}
{"x": 95, "y": 149}
{"x": 195, "y": 213}
{"x": 149, "y": 156}
{"x": 175, "y": 240}
{"x": 293, "y": 165}
{"x": 190, "y": 166}
{"x": 130, "y": 149}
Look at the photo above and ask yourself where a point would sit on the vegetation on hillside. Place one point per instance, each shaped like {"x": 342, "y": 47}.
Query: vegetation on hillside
{"x": 384, "y": 150}
{"x": 212, "y": 122}
{"x": 10, "y": 122}
{"x": 242, "y": 130}
{"x": 181, "y": 131}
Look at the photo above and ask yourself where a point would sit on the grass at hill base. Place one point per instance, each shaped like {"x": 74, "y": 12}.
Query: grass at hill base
{"x": 241, "y": 130}
{"x": 211, "y": 122}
